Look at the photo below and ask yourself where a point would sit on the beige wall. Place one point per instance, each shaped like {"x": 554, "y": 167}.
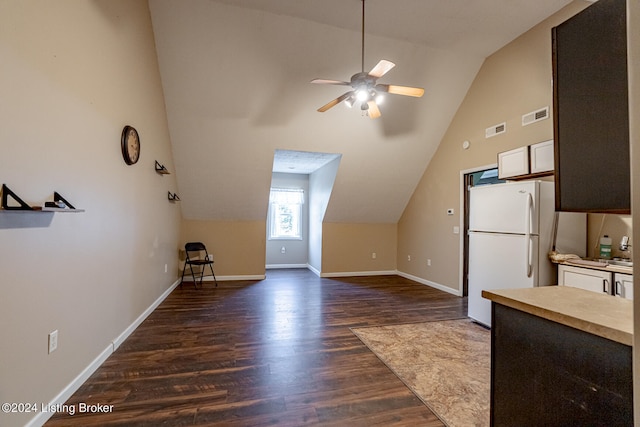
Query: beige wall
{"x": 349, "y": 248}
{"x": 238, "y": 247}
{"x": 514, "y": 81}
{"x": 73, "y": 74}
{"x": 615, "y": 226}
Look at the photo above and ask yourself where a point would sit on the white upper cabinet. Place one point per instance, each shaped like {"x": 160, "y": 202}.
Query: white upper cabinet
{"x": 524, "y": 162}
{"x": 513, "y": 163}
{"x": 541, "y": 155}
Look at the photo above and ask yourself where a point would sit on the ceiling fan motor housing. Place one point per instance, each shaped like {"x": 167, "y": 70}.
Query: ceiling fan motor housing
{"x": 363, "y": 85}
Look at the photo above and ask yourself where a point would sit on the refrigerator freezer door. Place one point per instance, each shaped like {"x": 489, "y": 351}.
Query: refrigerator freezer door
{"x": 499, "y": 261}
{"x": 505, "y": 208}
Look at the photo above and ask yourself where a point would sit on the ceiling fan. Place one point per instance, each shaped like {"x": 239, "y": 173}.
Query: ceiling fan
{"x": 365, "y": 87}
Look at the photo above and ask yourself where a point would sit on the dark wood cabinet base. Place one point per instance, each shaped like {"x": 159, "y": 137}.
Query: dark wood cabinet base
{"x": 547, "y": 374}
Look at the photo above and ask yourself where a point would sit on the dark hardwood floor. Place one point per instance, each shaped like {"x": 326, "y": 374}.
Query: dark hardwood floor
{"x": 274, "y": 352}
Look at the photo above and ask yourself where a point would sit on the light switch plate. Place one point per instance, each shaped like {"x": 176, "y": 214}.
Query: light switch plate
{"x": 53, "y": 341}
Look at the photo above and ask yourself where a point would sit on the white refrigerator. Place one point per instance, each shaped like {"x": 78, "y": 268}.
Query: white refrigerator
{"x": 511, "y": 228}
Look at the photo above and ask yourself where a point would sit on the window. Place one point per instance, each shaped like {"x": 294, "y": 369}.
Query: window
{"x": 285, "y": 218}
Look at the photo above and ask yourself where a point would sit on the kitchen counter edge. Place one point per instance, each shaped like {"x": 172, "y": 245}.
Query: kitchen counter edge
{"x": 609, "y": 267}
{"x": 602, "y": 315}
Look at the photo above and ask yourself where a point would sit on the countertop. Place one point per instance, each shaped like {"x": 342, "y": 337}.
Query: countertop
{"x": 599, "y": 314}
{"x": 606, "y": 267}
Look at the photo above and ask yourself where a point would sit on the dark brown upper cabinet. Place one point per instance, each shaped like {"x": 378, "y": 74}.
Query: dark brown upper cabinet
{"x": 591, "y": 113}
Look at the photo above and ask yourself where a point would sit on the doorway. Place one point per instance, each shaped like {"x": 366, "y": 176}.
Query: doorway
{"x": 486, "y": 175}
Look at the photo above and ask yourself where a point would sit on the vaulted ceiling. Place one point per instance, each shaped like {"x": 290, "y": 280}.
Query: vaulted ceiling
{"x": 236, "y": 75}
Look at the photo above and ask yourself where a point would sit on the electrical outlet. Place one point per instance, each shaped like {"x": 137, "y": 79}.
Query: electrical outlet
{"x": 373, "y": 255}
{"x": 283, "y": 250}
{"x": 53, "y": 341}
{"x": 408, "y": 257}
{"x": 429, "y": 263}
{"x": 165, "y": 268}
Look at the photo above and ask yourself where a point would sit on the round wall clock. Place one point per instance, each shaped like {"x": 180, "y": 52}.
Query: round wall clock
{"x": 130, "y": 145}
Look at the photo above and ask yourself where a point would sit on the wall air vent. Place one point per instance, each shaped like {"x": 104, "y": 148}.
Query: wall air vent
{"x": 495, "y": 130}
{"x": 535, "y": 116}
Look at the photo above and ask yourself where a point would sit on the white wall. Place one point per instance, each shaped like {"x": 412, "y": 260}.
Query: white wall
{"x": 73, "y": 74}
{"x": 320, "y": 187}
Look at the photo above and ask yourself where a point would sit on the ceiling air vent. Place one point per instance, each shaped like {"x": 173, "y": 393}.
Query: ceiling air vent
{"x": 535, "y": 116}
{"x": 495, "y": 130}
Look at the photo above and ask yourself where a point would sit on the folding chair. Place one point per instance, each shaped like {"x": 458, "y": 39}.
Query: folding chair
{"x": 197, "y": 255}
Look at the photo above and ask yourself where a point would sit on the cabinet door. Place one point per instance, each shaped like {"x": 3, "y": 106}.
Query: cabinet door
{"x": 591, "y": 110}
{"x": 541, "y": 156}
{"x": 585, "y": 278}
{"x": 513, "y": 163}
{"x": 623, "y": 285}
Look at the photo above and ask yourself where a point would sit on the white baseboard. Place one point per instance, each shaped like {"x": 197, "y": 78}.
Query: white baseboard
{"x": 71, "y": 388}
{"x": 207, "y": 279}
{"x": 132, "y": 327}
{"x": 313, "y": 270}
{"x": 75, "y": 384}
{"x": 438, "y": 286}
{"x": 245, "y": 277}
{"x": 277, "y": 266}
{"x": 360, "y": 273}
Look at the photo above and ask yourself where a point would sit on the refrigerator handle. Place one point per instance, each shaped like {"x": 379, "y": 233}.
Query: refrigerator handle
{"x": 527, "y": 235}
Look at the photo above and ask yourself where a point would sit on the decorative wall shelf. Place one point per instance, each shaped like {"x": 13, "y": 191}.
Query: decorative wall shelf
{"x": 59, "y": 204}
{"x": 161, "y": 169}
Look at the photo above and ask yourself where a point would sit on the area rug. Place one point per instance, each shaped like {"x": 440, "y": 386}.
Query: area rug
{"x": 445, "y": 363}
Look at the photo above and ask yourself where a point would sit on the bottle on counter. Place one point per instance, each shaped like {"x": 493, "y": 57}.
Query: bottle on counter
{"x": 605, "y": 247}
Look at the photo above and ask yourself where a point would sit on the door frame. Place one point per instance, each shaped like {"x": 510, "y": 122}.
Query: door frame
{"x": 464, "y": 225}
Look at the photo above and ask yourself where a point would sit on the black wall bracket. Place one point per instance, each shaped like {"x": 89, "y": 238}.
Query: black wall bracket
{"x": 6, "y": 193}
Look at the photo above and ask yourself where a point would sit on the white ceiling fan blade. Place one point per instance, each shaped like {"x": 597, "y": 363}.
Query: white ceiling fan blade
{"x": 330, "y": 82}
{"x": 381, "y": 68}
{"x": 374, "y": 111}
{"x": 401, "y": 90}
{"x": 335, "y": 101}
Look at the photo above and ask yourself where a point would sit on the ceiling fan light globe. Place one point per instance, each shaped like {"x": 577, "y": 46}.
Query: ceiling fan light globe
{"x": 362, "y": 95}
{"x": 350, "y": 101}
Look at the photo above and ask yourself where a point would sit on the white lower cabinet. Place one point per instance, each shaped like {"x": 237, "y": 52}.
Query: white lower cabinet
{"x": 618, "y": 284}
{"x": 623, "y": 285}
{"x": 585, "y": 278}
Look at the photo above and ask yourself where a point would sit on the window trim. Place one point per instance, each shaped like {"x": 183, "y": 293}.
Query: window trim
{"x": 291, "y": 194}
